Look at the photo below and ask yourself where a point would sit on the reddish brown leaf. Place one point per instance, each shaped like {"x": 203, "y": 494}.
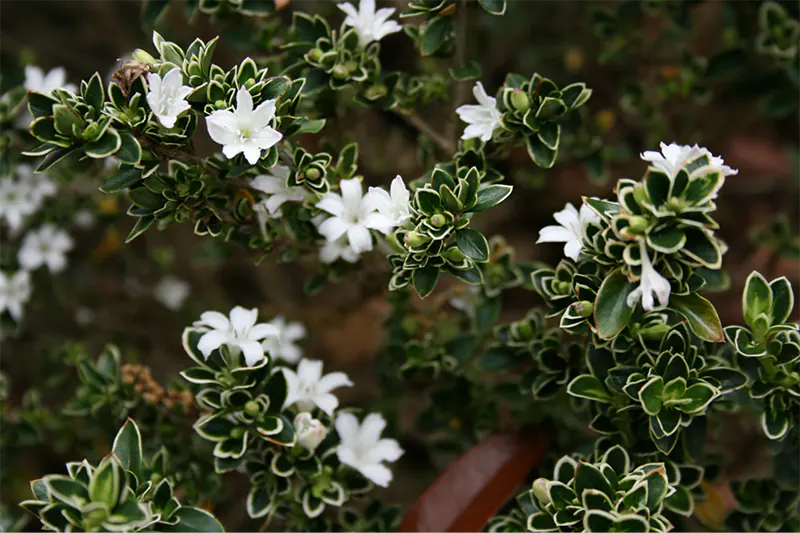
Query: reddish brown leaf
{"x": 474, "y": 486}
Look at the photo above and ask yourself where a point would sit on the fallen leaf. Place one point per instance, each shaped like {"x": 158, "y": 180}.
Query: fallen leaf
{"x": 473, "y": 487}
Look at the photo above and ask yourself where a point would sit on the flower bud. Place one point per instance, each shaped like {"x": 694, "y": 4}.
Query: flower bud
{"x": 313, "y": 174}
{"x": 252, "y": 408}
{"x": 541, "y": 492}
{"x": 375, "y": 92}
{"x": 315, "y": 54}
{"x": 340, "y": 72}
{"x": 143, "y": 56}
{"x": 583, "y": 308}
{"x": 415, "y": 239}
{"x": 438, "y": 220}
{"x": 655, "y": 332}
{"x": 249, "y": 83}
{"x": 638, "y": 224}
{"x": 310, "y": 431}
{"x": 238, "y": 432}
{"x": 520, "y": 100}
{"x": 220, "y": 104}
{"x": 454, "y": 254}
{"x": 563, "y": 287}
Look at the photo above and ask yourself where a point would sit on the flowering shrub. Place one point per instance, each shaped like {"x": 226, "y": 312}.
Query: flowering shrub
{"x": 626, "y": 367}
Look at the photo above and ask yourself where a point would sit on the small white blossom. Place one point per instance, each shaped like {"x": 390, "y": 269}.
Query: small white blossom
{"x": 245, "y": 130}
{"x": 370, "y": 25}
{"x": 363, "y": 449}
{"x": 16, "y": 202}
{"x": 483, "y": 118}
{"x": 84, "y": 219}
{"x": 650, "y": 283}
{"x": 39, "y": 184}
{"x": 310, "y": 431}
{"x": 338, "y": 249}
{"x": 167, "y": 97}
{"x": 673, "y": 156}
{"x": 15, "y": 290}
{"x": 171, "y": 292}
{"x": 283, "y": 344}
{"x": 571, "y": 230}
{"x": 239, "y": 333}
{"x": 46, "y": 246}
{"x": 393, "y": 210}
{"x": 351, "y": 216}
{"x": 36, "y": 80}
{"x": 275, "y": 186}
{"x": 308, "y": 387}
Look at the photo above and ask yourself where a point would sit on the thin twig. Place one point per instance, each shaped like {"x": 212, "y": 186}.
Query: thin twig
{"x": 423, "y": 127}
{"x": 174, "y": 153}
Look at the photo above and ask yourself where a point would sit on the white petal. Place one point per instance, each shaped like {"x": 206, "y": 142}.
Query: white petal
{"x": 387, "y": 450}
{"x": 347, "y": 456}
{"x": 268, "y": 184}
{"x": 309, "y": 370}
{"x": 379, "y": 222}
{"x": 243, "y": 319}
{"x": 262, "y": 331}
{"x": 573, "y": 249}
{"x": 244, "y": 103}
{"x": 253, "y": 352}
{"x": 351, "y": 194}
{"x": 347, "y": 427}
{"x": 267, "y": 137}
{"x": 216, "y": 320}
{"x": 252, "y": 152}
{"x": 222, "y": 127}
{"x": 568, "y": 217}
{"x": 327, "y": 402}
{"x": 359, "y": 238}
{"x": 263, "y": 114}
{"x": 333, "y": 204}
{"x": 211, "y": 341}
{"x": 555, "y": 234}
{"x": 334, "y": 380}
{"x": 377, "y": 473}
{"x": 333, "y": 228}
{"x": 371, "y": 429}
{"x": 400, "y": 193}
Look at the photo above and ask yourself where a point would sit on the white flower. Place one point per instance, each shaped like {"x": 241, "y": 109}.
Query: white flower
{"x": 84, "y": 218}
{"x": 363, "y": 449}
{"x": 283, "y": 344}
{"x": 16, "y": 202}
{"x": 36, "y": 80}
{"x": 650, "y": 283}
{"x": 350, "y": 212}
{"x": 46, "y": 246}
{"x": 483, "y": 119}
{"x": 673, "y": 156}
{"x": 370, "y": 25}
{"x": 167, "y": 97}
{"x": 308, "y": 387}
{"x": 571, "y": 230}
{"x": 244, "y": 130}
{"x": 239, "y": 333}
{"x": 275, "y": 186}
{"x": 310, "y": 431}
{"x": 393, "y": 210}
{"x": 171, "y": 292}
{"x": 15, "y": 290}
{"x": 338, "y": 249}
{"x": 39, "y": 184}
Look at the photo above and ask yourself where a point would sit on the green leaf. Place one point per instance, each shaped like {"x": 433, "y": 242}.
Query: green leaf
{"x": 497, "y": 359}
{"x": 611, "y": 311}
{"x": 429, "y": 201}
{"x": 41, "y": 105}
{"x": 425, "y": 279}
{"x": 493, "y": 7}
{"x": 473, "y": 244}
{"x": 304, "y": 125}
{"x": 667, "y": 241}
{"x": 123, "y": 179}
{"x": 550, "y": 134}
{"x": 699, "y": 396}
{"x": 681, "y": 502}
{"x": 128, "y": 448}
{"x": 757, "y": 298}
{"x": 105, "y": 483}
{"x": 140, "y": 227}
{"x": 44, "y": 129}
{"x": 539, "y": 152}
{"x": 142, "y": 197}
{"x": 472, "y": 71}
{"x": 191, "y": 519}
{"x": 774, "y": 423}
{"x": 632, "y": 523}
{"x": 65, "y": 119}
{"x": 95, "y": 95}
{"x": 105, "y": 146}
{"x": 701, "y": 246}
{"x": 782, "y": 300}
{"x": 490, "y": 196}
{"x": 588, "y": 476}
{"x": 130, "y": 152}
{"x": 435, "y": 34}
{"x": 650, "y": 395}
{"x": 589, "y": 387}
{"x": 595, "y": 520}
{"x": 700, "y": 314}
{"x": 550, "y": 109}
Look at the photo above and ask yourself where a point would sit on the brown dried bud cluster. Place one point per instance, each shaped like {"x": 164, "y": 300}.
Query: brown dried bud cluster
{"x": 151, "y": 392}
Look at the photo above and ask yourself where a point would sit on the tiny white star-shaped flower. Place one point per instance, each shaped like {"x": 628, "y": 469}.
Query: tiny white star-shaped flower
{"x": 370, "y": 25}
{"x": 363, "y": 449}
{"x": 338, "y": 249}
{"x": 167, "y": 96}
{"x": 36, "y": 80}
{"x": 46, "y": 246}
{"x": 673, "y": 156}
{"x": 16, "y": 202}
{"x": 15, "y": 290}
{"x": 310, "y": 431}
{"x": 483, "y": 118}
{"x": 651, "y": 283}
{"x": 309, "y": 388}
{"x": 571, "y": 229}
{"x": 39, "y": 184}
{"x": 239, "y": 333}
{"x": 276, "y": 188}
{"x": 393, "y": 209}
{"x": 171, "y": 292}
{"x": 245, "y": 130}
{"x": 283, "y": 344}
{"x": 350, "y": 212}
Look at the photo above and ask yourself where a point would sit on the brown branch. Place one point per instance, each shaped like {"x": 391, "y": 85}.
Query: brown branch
{"x": 423, "y": 127}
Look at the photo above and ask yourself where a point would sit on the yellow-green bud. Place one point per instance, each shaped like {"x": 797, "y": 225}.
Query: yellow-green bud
{"x": 313, "y": 173}
{"x": 249, "y": 83}
{"x": 541, "y": 492}
{"x": 220, "y": 104}
{"x": 251, "y": 408}
{"x": 238, "y": 432}
{"x": 520, "y": 100}
{"x": 438, "y": 220}
{"x": 376, "y": 91}
{"x": 340, "y": 72}
{"x": 563, "y": 286}
{"x": 638, "y": 224}
{"x": 583, "y": 308}
{"x": 655, "y": 332}
{"x": 315, "y": 54}
{"x": 415, "y": 239}
{"x": 454, "y": 254}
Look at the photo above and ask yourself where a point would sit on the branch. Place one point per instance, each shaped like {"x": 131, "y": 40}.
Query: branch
{"x": 423, "y": 127}
{"x": 173, "y": 153}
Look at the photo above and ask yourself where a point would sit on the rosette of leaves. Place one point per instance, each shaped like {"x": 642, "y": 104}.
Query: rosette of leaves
{"x": 570, "y": 290}
{"x": 764, "y": 506}
{"x": 501, "y": 271}
{"x": 769, "y": 351}
{"x": 101, "y": 385}
{"x": 337, "y": 58}
{"x": 609, "y": 495}
{"x": 311, "y": 170}
{"x": 76, "y": 125}
{"x": 425, "y": 360}
{"x": 778, "y": 33}
{"x": 11, "y": 103}
{"x": 119, "y": 494}
{"x": 245, "y": 403}
{"x": 440, "y": 239}
{"x": 375, "y": 517}
{"x": 531, "y": 111}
